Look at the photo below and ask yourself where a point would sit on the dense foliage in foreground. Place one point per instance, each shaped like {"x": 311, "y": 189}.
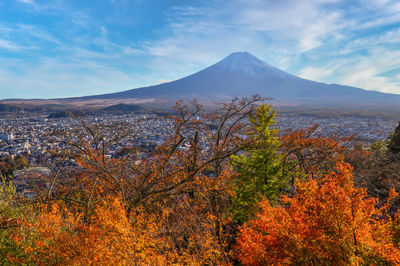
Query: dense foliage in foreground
{"x": 225, "y": 188}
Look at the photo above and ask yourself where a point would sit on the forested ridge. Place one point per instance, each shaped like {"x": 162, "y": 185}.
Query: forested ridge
{"x": 226, "y": 188}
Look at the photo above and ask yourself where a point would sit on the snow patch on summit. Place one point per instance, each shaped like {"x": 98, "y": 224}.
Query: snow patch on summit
{"x": 247, "y": 63}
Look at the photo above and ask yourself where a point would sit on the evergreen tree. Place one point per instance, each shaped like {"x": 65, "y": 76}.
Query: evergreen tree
{"x": 260, "y": 168}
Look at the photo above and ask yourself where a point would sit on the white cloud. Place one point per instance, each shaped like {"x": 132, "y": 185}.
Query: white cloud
{"x": 8, "y": 45}
{"x": 31, "y": 2}
{"x": 305, "y": 23}
{"x": 316, "y": 73}
{"x": 36, "y": 32}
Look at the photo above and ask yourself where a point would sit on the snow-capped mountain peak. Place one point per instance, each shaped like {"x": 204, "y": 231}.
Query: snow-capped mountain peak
{"x": 247, "y": 63}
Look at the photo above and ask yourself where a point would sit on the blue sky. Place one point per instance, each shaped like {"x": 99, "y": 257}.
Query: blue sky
{"x": 75, "y": 47}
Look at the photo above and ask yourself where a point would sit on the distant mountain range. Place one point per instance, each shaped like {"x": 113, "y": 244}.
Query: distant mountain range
{"x": 242, "y": 74}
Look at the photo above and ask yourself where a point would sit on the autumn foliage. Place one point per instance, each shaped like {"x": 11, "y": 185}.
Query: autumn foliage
{"x": 223, "y": 187}
{"x": 327, "y": 222}
{"x": 310, "y": 153}
{"x": 63, "y": 237}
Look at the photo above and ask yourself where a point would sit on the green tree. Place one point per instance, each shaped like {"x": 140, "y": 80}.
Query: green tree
{"x": 260, "y": 168}
{"x": 12, "y": 216}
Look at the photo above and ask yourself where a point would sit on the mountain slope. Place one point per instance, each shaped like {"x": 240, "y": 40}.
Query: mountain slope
{"x": 242, "y": 74}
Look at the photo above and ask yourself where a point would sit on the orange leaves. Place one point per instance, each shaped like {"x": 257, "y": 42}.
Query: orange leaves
{"x": 312, "y": 153}
{"x": 327, "y": 221}
{"x": 62, "y": 237}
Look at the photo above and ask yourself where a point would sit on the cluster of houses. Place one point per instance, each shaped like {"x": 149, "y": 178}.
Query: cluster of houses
{"x": 366, "y": 130}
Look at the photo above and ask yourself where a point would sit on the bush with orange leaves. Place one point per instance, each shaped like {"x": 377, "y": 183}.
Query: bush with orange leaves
{"x": 328, "y": 222}
{"x": 60, "y": 236}
{"x": 63, "y": 237}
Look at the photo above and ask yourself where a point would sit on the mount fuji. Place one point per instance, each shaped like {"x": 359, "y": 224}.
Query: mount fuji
{"x": 242, "y": 74}
{"x": 239, "y": 74}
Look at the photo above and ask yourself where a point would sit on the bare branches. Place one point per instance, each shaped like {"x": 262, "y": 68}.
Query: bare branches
{"x": 199, "y": 140}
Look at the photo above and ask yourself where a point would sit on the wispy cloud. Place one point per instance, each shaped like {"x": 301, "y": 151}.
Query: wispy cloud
{"x": 4, "y": 44}
{"x": 31, "y": 2}
{"x": 306, "y": 23}
{"x": 37, "y": 33}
